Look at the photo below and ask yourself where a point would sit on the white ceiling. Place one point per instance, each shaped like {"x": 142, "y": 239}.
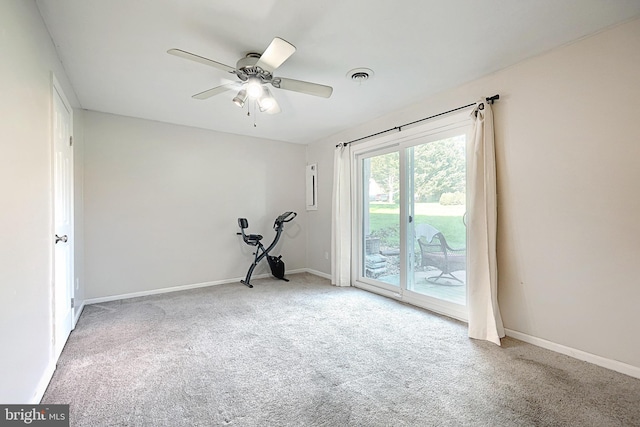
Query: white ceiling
{"x": 114, "y": 52}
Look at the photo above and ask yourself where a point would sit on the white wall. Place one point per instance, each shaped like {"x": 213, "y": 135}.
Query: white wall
{"x": 567, "y": 141}
{"x": 162, "y": 202}
{"x": 28, "y": 58}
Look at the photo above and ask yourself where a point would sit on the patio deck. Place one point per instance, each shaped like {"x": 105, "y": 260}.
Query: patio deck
{"x": 445, "y": 289}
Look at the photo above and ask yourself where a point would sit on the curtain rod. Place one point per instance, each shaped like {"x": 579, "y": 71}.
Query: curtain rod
{"x": 490, "y": 100}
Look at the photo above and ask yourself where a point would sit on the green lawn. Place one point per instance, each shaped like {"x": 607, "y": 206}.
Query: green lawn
{"x": 384, "y": 222}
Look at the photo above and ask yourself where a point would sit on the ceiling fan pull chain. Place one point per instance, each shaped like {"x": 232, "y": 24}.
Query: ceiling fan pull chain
{"x": 254, "y": 113}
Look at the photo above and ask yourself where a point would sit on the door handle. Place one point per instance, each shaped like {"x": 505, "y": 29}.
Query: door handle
{"x": 62, "y": 239}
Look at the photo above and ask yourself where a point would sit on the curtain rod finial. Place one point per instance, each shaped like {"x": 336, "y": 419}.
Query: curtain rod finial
{"x": 493, "y": 98}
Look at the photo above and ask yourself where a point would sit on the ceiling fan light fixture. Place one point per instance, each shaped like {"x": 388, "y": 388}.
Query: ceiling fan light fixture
{"x": 254, "y": 88}
{"x": 266, "y": 102}
{"x": 240, "y": 98}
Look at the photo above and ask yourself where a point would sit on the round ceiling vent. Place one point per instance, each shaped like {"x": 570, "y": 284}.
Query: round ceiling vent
{"x": 360, "y": 75}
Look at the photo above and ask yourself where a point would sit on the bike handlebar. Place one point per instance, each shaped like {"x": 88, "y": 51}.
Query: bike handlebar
{"x": 285, "y": 217}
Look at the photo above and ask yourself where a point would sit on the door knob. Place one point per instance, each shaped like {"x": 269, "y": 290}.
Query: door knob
{"x": 61, "y": 238}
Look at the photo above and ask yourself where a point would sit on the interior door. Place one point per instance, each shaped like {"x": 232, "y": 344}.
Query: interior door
{"x": 63, "y": 220}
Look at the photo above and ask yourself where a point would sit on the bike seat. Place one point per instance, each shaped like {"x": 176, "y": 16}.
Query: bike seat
{"x": 252, "y": 239}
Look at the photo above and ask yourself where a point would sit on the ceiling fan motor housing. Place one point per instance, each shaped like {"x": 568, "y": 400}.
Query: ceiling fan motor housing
{"x": 246, "y": 68}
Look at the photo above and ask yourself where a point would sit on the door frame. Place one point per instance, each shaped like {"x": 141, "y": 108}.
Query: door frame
{"x": 56, "y": 91}
{"x": 399, "y": 141}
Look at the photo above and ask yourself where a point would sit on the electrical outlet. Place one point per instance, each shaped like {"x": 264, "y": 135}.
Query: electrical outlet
{"x": 326, "y": 255}
{"x": 77, "y": 283}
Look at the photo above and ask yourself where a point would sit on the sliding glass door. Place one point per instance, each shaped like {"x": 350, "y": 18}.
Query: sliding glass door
{"x": 381, "y": 218}
{"x": 411, "y": 217}
{"x": 437, "y": 195}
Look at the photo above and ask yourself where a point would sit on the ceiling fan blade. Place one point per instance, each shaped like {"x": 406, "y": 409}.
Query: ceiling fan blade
{"x": 215, "y": 91}
{"x": 303, "y": 87}
{"x": 201, "y": 59}
{"x": 279, "y": 50}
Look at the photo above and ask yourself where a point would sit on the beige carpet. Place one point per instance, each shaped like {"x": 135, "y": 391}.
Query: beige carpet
{"x": 305, "y": 353}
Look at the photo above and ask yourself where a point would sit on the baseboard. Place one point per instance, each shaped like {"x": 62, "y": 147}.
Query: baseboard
{"x": 296, "y": 271}
{"x": 44, "y": 383}
{"x": 167, "y": 290}
{"x": 193, "y": 286}
{"x": 77, "y": 313}
{"x": 317, "y": 273}
{"x": 614, "y": 365}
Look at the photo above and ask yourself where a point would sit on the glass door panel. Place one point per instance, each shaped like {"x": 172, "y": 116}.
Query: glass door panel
{"x": 436, "y": 181}
{"x": 381, "y": 218}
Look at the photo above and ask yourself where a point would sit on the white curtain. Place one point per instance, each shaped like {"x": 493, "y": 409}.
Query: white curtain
{"x": 341, "y": 217}
{"x": 485, "y": 322}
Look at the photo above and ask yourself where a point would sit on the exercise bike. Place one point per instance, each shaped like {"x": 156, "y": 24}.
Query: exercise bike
{"x": 275, "y": 263}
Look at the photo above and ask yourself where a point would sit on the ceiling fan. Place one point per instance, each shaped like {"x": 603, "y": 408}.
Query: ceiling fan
{"x": 255, "y": 71}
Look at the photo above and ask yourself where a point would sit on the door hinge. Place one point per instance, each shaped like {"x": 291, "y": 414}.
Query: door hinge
{"x": 71, "y": 141}
{"x": 73, "y": 302}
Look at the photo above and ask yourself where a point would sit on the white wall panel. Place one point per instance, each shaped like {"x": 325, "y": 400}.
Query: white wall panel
{"x": 162, "y": 202}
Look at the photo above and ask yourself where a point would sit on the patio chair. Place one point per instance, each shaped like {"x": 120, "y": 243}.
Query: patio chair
{"x": 436, "y": 252}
